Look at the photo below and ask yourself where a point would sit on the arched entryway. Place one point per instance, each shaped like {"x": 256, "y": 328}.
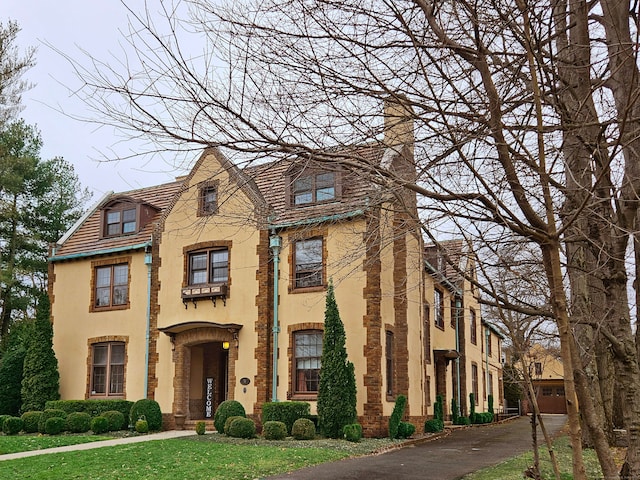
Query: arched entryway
{"x": 204, "y": 355}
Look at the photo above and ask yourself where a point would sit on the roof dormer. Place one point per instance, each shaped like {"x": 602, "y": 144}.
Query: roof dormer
{"x": 312, "y": 185}
{"x": 124, "y": 216}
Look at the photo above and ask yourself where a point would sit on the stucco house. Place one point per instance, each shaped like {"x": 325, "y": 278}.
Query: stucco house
{"x": 213, "y": 287}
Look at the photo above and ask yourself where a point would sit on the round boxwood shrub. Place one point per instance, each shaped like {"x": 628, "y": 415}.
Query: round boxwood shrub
{"x": 303, "y": 429}
{"x": 78, "y": 422}
{"x": 12, "y": 425}
{"x": 352, "y": 432}
{"x": 2, "y": 419}
{"x": 274, "y": 430}
{"x": 406, "y": 429}
{"x": 149, "y": 410}
{"x": 31, "y": 421}
{"x": 434, "y": 425}
{"x": 228, "y": 423}
{"x": 50, "y": 413}
{"x": 116, "y": 420}
{"x": 99, "y": 425}
{"x": 201, "y": 427}
{"x": 242, "y": 427}
{"x": 142, "y": 426}
{"x": 54, "y": 425}
{"x": 228, "y": 408}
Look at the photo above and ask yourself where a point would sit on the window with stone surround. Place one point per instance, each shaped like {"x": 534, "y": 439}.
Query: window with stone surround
{"x": 474, "y": 381}
{"x": 389, "y": 358}
{"x": 208, "y": 267}
{"x": 208, "y": 198}
{"x": 438, "y": 308}
{"x": 107, "y": 369}
{"x": 473, "y": 325}
{"x": 110, "y": 281}
{"x": 307, "y": 352}
{"x": 308, "y": 260}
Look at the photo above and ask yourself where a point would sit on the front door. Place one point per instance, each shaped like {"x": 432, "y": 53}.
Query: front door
{"x": 208, "y": 379}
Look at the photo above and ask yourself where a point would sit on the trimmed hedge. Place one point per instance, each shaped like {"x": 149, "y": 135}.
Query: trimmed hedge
{"x": 12, "y": 425}
{"x": 142, "y": 426}
{"x": 55, "y": 425}
{"x": 303, "y": 429}
{"x": 149, "y": 410}
{"x": 2, "y": 419}
{"x": 78, "y": 422}
{"x": 352, "y": 432}
{"x": 228, "y": 408}
{"x": 285, "y": 412}
{"x": 92, "y": 407}
{"x": 99, "y": 425}
{"x": 201, "y": 427}
{"x": 482, "y": 417}
{"x": 31, "y": 421}
{"x": 242, "y": 427}
{"x": 50, "y": 413}
{"x": 462, "y": 421}
{"x": 274, "y": 430}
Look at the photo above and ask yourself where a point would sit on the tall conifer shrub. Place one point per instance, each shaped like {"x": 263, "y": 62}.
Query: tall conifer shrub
{"x": 337, "y": 390}
{"x": 41, "y": 380}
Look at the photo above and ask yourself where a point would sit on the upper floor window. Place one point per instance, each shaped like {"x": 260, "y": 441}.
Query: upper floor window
{"x": 209, "y": 266}
{"x": 314, "y": 188}
{"x": 208, "y": 199}
{"x": 107, "y": 369}
{"x": 474, "y": 327}
{"x": 474, "y": 380}
{"x": 308, "y": 263}
{"x": 537, "y": 368}
{"x": 307, "y": 355}
{"x": 489, "y": 342}
{"x": 120, "y": 221}
{"x": 438, "y": 308}
{"x": 111, "y": 285}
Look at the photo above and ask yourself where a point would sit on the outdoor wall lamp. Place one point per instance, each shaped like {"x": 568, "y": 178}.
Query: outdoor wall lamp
{"x": 225, "y": 345}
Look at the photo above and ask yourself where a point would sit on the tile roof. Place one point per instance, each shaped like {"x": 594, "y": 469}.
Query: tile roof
{"x": 87, "y": 236}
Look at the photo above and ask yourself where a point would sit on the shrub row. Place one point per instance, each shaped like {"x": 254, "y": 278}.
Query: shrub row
{"x": 285, "y": 412}
{"x": 92, "y": 407}
{"x": 483, "y": 417}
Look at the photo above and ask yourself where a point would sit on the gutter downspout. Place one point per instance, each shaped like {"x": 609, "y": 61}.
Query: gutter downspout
{"x": 148, "y": 259}
{"x": 458, "y": 309}
{"x": 486, "y": 352}
{"x": 274, "y": 244}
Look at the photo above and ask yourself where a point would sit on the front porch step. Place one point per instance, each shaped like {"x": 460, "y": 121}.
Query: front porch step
{"x": 191, "y": 425}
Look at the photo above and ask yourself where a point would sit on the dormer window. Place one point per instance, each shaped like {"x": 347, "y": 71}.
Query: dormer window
{"x": 309, "y": 188}
{"x": 120, "y": 221}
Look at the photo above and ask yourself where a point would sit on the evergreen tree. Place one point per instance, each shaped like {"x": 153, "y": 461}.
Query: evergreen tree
{"x": 11, "y": 380}
{"x": 41, "y": 380}
{"x": 337, "y": 391}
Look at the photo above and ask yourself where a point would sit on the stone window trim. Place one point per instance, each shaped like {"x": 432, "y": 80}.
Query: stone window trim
{"x": 318, "y": 233}
{"x": 473, "y": 324}
{"x": 291, "y": 331}
{"x": 206, "y": 246}
{"x": 475, "y": 387}
{"x": 105, "y": 263}
{"x": 312, "y": 173}
{"x": 204, "y": 189}
{"x": 108, "y": 339}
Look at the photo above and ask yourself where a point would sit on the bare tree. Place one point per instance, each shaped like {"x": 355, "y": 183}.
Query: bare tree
{"x": 526, "y": 116}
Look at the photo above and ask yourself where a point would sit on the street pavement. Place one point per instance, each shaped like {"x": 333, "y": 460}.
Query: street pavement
{"x": 449, "y": 457}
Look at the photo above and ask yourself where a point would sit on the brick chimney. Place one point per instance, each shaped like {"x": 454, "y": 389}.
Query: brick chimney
{"x": 398, "y": 121}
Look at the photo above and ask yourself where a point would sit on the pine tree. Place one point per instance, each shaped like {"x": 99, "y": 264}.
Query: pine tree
{"x": 11, "y": 380}
{"x": 337, "y": 391}
{"x": 41, "y": 380}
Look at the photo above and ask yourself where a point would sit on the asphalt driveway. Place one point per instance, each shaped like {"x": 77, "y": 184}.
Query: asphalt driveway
{"x": 448, "y": 458}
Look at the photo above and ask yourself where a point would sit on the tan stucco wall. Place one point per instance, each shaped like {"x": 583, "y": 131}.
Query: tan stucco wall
{"x": 74, "y": 324}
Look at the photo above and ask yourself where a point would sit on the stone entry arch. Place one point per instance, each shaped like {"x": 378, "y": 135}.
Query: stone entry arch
{"x": 193, "y": 342}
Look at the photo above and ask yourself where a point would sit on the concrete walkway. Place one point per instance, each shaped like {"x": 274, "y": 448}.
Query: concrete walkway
{"x": 101, "y": 443}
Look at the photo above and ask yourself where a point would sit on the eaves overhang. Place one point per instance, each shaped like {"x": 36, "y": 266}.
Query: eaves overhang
{"x": 185, "y": 326}
{"x": 95, "y": 253}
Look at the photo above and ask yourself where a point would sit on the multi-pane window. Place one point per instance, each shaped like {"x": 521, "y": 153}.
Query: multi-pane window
{"x": 537, "y": 368}
{"x": 308, "y": 263}
{"x": 389, "y": 362}
{"x": 112, "y": 285}
{"x": 307, "y": 354}
{"x": 210, "y": 266}
{"x": 474, "y": 380}
{"x": 438, "y": 308}
{"x": 120, "y": 221}
{"x": 474, "y": 327}
{"x": 489, "y": 342}
{"x": 317, "y": 188}
{"x": 490, "y": 390}
{"x": 208, "y": 200}
{"x": 547, "y": 391}
{"x": 107, "y": 369}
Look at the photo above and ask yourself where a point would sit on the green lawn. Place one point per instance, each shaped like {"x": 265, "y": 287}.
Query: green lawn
{"x": 512, "y": 469}
{"x": 23, "y": 443}
{"x": 206, "y": 457}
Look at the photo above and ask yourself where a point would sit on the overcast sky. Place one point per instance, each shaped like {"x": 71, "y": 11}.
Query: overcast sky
{"x": 68, "y": 25}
